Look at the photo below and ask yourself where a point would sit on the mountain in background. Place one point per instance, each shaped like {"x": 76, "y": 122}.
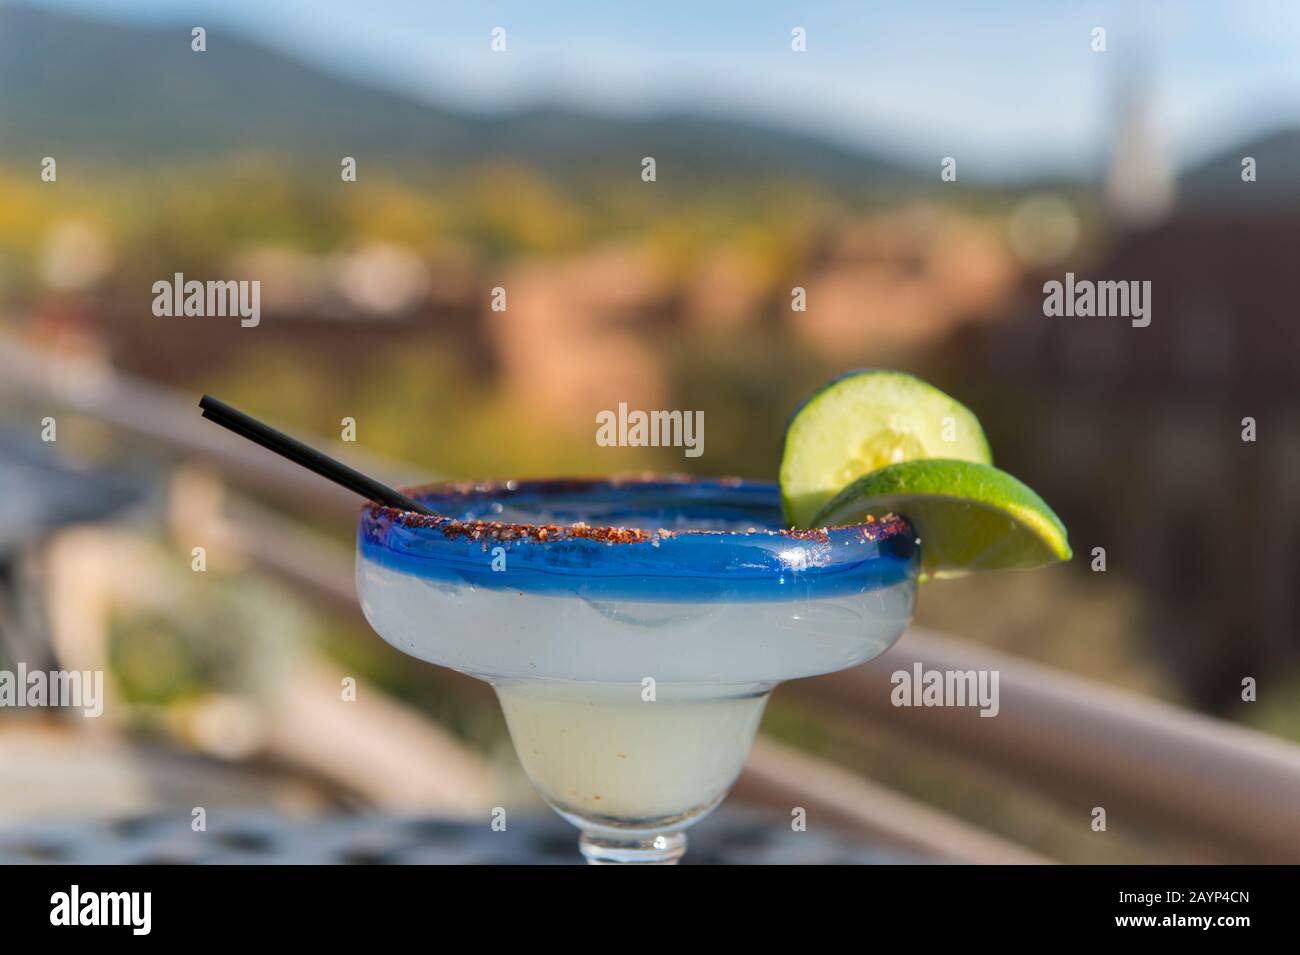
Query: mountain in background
{"x": 1217, "y": 181}
{"x": 88, "y": 89}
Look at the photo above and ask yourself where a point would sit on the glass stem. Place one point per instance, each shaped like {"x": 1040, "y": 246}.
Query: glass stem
{"x": 661, "y": 850}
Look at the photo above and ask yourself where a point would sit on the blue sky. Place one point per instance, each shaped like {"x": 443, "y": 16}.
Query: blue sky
{"x": 1009, "y": 87}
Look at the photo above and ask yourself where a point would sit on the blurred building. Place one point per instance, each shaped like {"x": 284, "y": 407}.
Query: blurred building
{"x": 579, "y": 335}
{"x": 900, "y": 281}
{"x": 331, "y": 307}
{"x": 1139, "y": 435}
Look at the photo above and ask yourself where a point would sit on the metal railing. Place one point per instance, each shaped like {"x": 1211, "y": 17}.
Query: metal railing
{"x": 1092, "y": 745}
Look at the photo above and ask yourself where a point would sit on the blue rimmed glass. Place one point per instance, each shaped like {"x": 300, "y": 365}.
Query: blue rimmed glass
{"x": 632, "y": 628}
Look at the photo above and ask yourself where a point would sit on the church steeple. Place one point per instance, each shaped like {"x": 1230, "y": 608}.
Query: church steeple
{"x": 1140, "y": 185}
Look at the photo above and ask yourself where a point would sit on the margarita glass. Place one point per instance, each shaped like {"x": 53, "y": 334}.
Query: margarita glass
{"x": 632, "y": 628}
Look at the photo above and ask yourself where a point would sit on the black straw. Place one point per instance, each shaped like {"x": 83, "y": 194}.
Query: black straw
{"x": 299, "y": 453}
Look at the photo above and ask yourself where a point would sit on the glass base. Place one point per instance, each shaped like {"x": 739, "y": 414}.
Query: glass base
{"x": 605, "y": 849}
{"x": 657, "y": 841}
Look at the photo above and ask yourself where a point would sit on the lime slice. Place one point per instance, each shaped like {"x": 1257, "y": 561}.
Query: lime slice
{"x": 867, "y": 420}
{"x": 968, "y": 516}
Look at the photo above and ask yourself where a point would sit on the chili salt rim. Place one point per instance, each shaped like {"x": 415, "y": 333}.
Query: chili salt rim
{"x": 872, "y": 529}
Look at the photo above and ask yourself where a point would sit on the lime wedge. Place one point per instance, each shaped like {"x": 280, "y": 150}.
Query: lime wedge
{"x": 867, "y": 420}
{"x": 968, "y": 516}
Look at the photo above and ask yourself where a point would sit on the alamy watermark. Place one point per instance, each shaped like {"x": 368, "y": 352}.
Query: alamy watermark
{"x": 1085, "y": 298}
{"x": 651, "y": 429}
{"x": 82, "y": 689}
{"x": 75, "y": 907}
{"x": 211, "y": 299}
{"x": 922, "y": 687}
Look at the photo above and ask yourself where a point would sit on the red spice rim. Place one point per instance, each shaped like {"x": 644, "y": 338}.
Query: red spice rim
{"x": 871, "y": 529}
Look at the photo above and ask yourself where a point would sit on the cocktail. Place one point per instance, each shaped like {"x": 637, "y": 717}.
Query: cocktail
{"x": 633, "y": 628}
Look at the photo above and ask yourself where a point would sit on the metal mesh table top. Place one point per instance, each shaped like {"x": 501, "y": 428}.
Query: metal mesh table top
{"x": 730, "y": 836}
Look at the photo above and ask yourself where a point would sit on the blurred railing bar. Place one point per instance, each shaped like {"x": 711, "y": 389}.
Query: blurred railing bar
{"x": 170, "y": 418}
{"x": 1100, "y": 746}
{"x": 782, "y": 777}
